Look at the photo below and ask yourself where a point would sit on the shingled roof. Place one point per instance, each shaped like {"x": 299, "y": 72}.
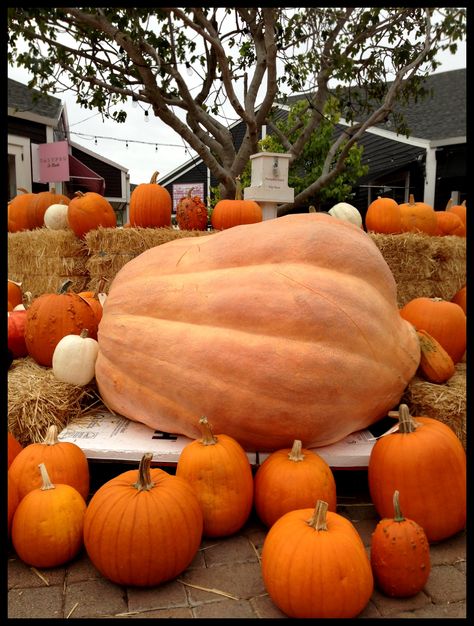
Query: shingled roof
{"x": 20, "y": 97}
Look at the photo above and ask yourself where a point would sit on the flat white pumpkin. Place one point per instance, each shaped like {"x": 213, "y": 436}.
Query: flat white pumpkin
{"x": 345, "y": 211}
{"x": 55, "y": 217}
{"x": 74, "y": 359}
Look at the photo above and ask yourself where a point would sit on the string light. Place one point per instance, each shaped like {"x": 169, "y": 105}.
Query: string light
{"x": 146, "y": 116}
{"x": 134, "y": 101}
{"x": 95, "y": 140}
{"x": 126, "y": 144}
{"x": 189, "y": 69}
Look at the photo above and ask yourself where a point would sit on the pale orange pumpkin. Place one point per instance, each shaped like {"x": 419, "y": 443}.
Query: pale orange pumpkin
{"x": 239, "y": 310}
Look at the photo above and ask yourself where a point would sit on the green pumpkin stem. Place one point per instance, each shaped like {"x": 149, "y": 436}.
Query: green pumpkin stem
{"x": 406, "y": 423}
{"x": 398, "y": 517}
{"x": 51, "y": 437}
{"x": 238, "y": 189}
{"x": 208, "y": 438}
{"x": 64, "y": 287}
{"x": 144, "y": 482}
{"x": 295, "y": 453}
{"x": 318, "y": 520}
{"x": 47, "y": 484}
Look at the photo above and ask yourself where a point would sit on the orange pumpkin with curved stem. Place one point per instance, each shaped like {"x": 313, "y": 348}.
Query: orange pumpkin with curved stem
{"x": 150, "y": 205}
{"x": 426, "y": 463}
{"x": 143, "y": 528}
{"x": 291, "y": 479}
{"x": 88, "y": 211}
{"x": 400, "y": 554}
{"x": 417, "y": 217}
{"x": 219, "y": 472}
{"x": 228, "y": 213}
{"x": 383, "y": 216}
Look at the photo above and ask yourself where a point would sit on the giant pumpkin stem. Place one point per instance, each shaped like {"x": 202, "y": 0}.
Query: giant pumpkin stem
{"x": 51, "y": 437}
{"x": 406, "y": 423}
{"x": 318, "y": 521}
{"x": 208, "y": 438}
{"x": 144, "y": 482}
{"x": 295, "y": 453}
{"x": 398, "y": 517}
{"x": 47, "y": 484}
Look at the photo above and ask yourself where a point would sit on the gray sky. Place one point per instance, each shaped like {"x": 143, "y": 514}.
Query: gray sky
{"x": 142, "y": 159}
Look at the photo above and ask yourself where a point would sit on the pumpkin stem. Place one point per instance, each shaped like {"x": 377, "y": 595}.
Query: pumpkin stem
{"x": 154, "y": 177}
{"x": 318, "y": 520}
{"x": 238, "y": 189}
{"x": 84, "y": 333}
{"x": 407, "y": 424}
{"x": 64, "y": 287}
{"x": 449, "y": 205}
{"x": 27, "y": 299}
{"x": 23, "y": 190}
{"x": 101, "y": 285}
{"x": 144, "y": 482}
{"x": 79, "y": 194}
{"x": 311, "y": 209}
{"x": 47, "y": 484}
{"x": 190, "y": 192}
{"x": 411, "y": 199}
{"x": 51, "y": 437}
{"x": 295, "y": 454}
{"x": 208, "y": 438}
{"x": 398, "y": 517}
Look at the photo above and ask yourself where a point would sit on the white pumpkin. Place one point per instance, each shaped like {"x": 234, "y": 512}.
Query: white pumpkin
{"x": 74, "y": 359}
{"x": 345, "y": 211}
{"x": 55, "y": 217}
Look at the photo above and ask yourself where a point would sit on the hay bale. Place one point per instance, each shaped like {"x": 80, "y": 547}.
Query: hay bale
{"x": 446, "y": 403}
{"x": 111, "y": 248}
{"x": 37, "y": 400}
{"x": 42, "y": 259}
{"x": 424, "y": 266}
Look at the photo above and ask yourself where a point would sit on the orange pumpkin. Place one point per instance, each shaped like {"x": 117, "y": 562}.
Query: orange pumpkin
{"x": 400, "y": 555}
{"x": 417, "y": 217}
{"x": 435, "y": 363}
{"x": 426, "y": 463}
{"x": 458, "y": 209}
{"x": 449, "y": 224}
{"x": 314, "y": 565}
{"x": 291, "y": 479}
{"x": 20, "y": 211}
{"x": 88, "y": 211}
{"x": 66, "y": 461}
{"x": 14, "y": 448}
{"x": 443, "y": 320}
{"x": 43, "y": 200}
{"x": 48, "y": 524}
{"x": 16, "y": 333}
{"x": 460, "y": 298}
{"x": 383, "y": 216}
{"x": 53, "y": 316}
{"x": 228, "y": 213}
{"x": 15, "y": 294}
{"x": 141, "y": 530}
{"x": 191, "y": 213}
{"x": 13, "y": 501}
{"x": 241, "y": 308}
{"x": 150, "y": 205}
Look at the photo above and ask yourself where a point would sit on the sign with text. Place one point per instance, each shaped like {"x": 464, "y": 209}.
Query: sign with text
{"x": 181, "y": 190}
{"x": 53, "y": 162}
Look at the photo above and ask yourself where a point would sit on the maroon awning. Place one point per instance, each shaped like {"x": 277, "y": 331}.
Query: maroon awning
{"x": 82, "y": 178}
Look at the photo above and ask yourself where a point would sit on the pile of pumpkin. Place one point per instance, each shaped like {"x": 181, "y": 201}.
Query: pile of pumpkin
{"x": 144, "y": 528}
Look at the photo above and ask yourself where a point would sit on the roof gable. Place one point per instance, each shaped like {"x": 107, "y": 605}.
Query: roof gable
{"x": 20, "y": 97}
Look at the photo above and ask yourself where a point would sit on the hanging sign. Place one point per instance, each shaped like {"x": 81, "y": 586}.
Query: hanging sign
{"x": 53, "y": 162}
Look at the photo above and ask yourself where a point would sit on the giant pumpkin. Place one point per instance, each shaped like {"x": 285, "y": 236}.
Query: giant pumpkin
{"x": 280, "y": 330}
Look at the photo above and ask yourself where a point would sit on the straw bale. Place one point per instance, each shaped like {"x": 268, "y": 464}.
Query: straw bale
{"x": 37, "y": 400}
{"x": 42, "y": 259}
{"x": 424, "y": 266}
{"x": 446, "y": 402}
{"x": 111, "y": 248}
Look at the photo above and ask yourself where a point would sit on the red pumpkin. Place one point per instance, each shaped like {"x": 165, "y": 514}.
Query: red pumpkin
{"x": 150, "y": 205}
{"x": 53, "y": 316}
{"x": 449, "y": 224}
{"x": 21, "y": 211}
{"x": 88, "y": 211}
{"x": 443, "y": 320}
{"x": 228, "y": 213}
{"x": 426, "y": 463}
{"x": 16, "y": 333}
{"x": 418, "y": 217}
{"x": 191, "y": 213}
{"x": 383, "y": 216}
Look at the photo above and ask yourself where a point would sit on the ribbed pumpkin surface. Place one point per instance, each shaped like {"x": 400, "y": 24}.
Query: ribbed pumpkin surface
{"x": 284, "y": 329}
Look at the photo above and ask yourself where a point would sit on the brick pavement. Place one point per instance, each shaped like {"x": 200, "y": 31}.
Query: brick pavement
{"x": 224, "y": 580}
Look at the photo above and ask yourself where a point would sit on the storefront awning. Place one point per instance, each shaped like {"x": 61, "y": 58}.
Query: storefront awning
{"x": 82, "y": 178}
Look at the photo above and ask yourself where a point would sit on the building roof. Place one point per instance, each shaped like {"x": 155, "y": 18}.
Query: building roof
{"x": 20, "y": 97}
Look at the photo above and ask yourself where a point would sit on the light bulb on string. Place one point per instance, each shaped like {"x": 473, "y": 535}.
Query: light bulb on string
{"x": 95, "y": 140}
{"x": 134, "y": 102}
{"x": 146, "y": 117}
{"x": 126, "y": 144}
{"x": 189, "y": 69}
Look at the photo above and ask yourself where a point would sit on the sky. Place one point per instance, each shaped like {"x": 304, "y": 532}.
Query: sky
{"x": 132, "y": 144}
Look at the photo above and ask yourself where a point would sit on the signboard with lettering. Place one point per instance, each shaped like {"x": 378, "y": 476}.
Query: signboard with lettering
{"x": 181, "y": 189}
{"x": 53, "y": 162}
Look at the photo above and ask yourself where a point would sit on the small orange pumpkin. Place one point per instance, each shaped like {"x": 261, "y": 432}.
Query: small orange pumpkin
{"x": 291, "y": 479}
{"x": 458, "y": 209}
{"x": 400, "y": 554}
{"x": 435, "y": 363}
{"x": 383, "y": 216}
{"x": 460, "y": 298}
{"x": 88, "y": 211}
{"x": 417, "y": 217}
{"x": 150, "y": 205}
{"x": 228, "y": 213}
{"x": 20, "y": 211}
{"x": 449, "y": 224}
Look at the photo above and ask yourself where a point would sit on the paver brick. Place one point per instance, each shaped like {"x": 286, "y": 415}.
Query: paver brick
{"x": 236, "y": 549}
{"x": 95, "y": 598}
{"x": 225, "y": 608}
{"x": 81, "y": 568}
{"x": 21, "y": 575}
{"x": 265, "y": 607}
{"x": 457, "y": 609}
{"x": 447, "y": 552}
{"x": 389, "y": 606}
{"x": 36, "y": 602}
{"x": 446, "y": 584}
{"x": 166, "y": 595}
